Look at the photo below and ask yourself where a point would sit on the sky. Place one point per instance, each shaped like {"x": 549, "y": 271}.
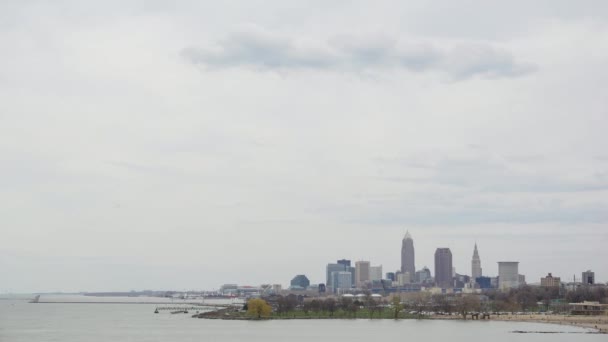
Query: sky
{"x": 186, "y": 144}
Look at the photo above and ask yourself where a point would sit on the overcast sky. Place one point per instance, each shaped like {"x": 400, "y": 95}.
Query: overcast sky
{"x": 187, "y": 144}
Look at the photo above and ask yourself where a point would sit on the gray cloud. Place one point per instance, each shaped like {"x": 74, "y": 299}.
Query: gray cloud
{"x": 258, "y": 48}
{"x": 488, "y": 175}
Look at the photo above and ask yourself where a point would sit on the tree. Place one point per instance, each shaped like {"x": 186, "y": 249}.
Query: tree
{"x": 371, "y": 305}
{"x": 330, "y": 306}
{"x": 286, "y": 304}
{"x": 258, "y": 308}
{"x": 466, "y": 304}
{"x": 526, "y": 298}
{"x": 354, "y": 307}
{"x": 315, "y": 306}
{"x": 306, "y": 307}
{"x": 397, "y": 306}
{"x": 442, "y": 302}
{"x": 419, "y": 302}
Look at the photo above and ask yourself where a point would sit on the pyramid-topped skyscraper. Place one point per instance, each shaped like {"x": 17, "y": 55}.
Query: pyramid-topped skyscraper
{"x": 407, "y": 255}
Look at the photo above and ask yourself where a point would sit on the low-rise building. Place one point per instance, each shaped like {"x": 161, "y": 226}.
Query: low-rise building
{"x": 588, "y": 308}
{"x": 550, "y": 281}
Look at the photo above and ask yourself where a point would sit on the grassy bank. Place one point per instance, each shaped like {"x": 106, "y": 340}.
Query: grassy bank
{"x": 300, "y": 314}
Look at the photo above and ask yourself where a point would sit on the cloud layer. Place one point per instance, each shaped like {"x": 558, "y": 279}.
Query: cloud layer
{"x": 262, "y": 49}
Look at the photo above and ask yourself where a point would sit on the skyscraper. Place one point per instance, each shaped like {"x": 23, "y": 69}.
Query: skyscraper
{"x": 375, "y": 273}
{"x": 407, "y": 255}
{"x": 344, "y": 262}
{"x": 341, "y": 281}
{"x": 330, "y": 269}
{"x": 475, "y": 265}
{"x": 361, "y": 272}
{"x": 508, "y": 274}
{"x": 443, "y": 268}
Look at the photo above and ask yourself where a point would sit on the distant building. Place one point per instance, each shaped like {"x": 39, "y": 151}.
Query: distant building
{"x": 484, "y": 282}
{"x": 475, "y": 264}
{"x": 407, "y": 254}
{"x": 353, "y": 272}
{"x": 342, "y": 281}
{"x": 403, "y": 278}
{"x": 423, "y": 275}
{"x": 329, "y": 270}
{"x": 390, "y": 276}
{"x": 300, "y": 281}
{"x": 508, "y": 276}
{"x": 588, "y": 308}
{"x": 361, "y": 273}
{"x": 588, "y": 278}
{"x": 229, "y": 289}
{"x": 461, "y": 280}
{"x": 550, "y": 281}
{"x": 522, "y": 279}
{"x": 344, "y": 262}
{"x": 443, "y": 268}
{"x": 375, "y": 273}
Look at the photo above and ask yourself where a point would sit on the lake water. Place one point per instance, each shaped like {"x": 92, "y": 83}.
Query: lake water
{"x": 24, "y": 322}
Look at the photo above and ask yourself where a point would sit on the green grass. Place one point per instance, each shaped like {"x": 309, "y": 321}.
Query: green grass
{"x": 341, "y": 314}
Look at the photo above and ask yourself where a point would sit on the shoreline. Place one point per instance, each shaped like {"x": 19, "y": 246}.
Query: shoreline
{"x": 597, "y": 323}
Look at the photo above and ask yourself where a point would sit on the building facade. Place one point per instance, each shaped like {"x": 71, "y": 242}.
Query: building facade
{"x": 344, "y": 262}
{"x": 342, "y": 281}
{"x": 375, "y": 273}
{"x": 508, "y": 274}
{"x": 423, "y": 275}
{"x": 443, "y": 268}
{"x": 475, "y": 265}
{"x": 550, "y": 281}
{"x": 300, "y": 281}
{"x": 588, "y": 278}
{"x": 403, "y": 278}
{"x": 361, "y": 273}
{"x": 407, "y": 254}
{"x": 331, "y": 268}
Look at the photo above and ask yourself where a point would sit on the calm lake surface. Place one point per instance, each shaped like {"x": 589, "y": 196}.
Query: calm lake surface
{"x": 24, "y": 322}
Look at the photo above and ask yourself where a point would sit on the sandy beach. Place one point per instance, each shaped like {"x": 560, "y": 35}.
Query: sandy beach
{"x": 596, "y": 322}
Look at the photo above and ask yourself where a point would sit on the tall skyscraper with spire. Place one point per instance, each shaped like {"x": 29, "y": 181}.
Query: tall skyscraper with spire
{"x": 407, "y": 255}
{"x": 475, "y": 265}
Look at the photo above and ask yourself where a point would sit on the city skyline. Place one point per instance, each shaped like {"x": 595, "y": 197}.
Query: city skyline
{"x": 183, "y": 145}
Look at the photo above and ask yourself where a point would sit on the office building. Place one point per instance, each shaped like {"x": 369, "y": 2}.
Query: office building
{"x": 375, "y": 273}
{"x": 407, "y": 254}
{"x": 508, "y": 276}
{"x": 361, "y": 273}
{"x": 342, "y": 281}
{"x": 550, "y": 281}
{"x": 403, "y": 278}
{"x": 475, "y": 264}
{"x": 484, "y": 282}
{"x": 522, "y": 279}
{"x": 390, "y": 276}
{"x": 344, "y": 262}
{"x": 329, "y": 270}
{"x": 443, "y": 268}
{"x": 300, "y": 282}
{"x": 423, "y": 275}
{"x": 588, "y": 278}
